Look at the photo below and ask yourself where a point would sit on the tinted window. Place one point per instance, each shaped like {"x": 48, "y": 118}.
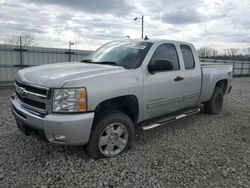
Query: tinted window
{"x": 188, "y": 57}
{"x": 167, "y": 52}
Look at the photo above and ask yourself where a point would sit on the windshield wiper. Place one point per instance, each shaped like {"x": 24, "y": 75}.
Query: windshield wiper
{"x": 100, "y": 62}
{"x": 106, "y": 63}
{"x": 86, "y": 61}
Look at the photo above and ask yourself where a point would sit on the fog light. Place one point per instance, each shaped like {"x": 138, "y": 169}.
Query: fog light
{"x": 60, "y": 138}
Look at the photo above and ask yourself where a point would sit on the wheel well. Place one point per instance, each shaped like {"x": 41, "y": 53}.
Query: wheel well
{"x": 127, "y": 104}
{"x": 222, "y": 84}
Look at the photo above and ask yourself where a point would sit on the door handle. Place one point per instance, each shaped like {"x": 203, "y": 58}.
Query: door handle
{"x": 178, "y": 78}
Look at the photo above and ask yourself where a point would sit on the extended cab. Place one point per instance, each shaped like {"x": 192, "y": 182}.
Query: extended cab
{"x": 121, "y": 87}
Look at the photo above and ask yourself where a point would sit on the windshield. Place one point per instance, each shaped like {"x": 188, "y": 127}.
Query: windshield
{"x": 128, "y": 54}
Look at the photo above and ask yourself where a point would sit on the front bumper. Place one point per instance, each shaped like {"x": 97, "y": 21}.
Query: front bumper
{"x": 69, "y": 129}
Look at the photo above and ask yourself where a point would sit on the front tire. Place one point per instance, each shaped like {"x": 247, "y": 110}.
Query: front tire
{"x": 112, "y": 134}
{"x": 214, "y": 105}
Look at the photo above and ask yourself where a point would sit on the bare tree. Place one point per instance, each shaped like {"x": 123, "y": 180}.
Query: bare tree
{"x": 248, "y": 51}
{"x": 28, "y": 39}
{"x": 206, "y": 52}
{"x": 215, "y": 52}
{"x": 232, "y": 52}
{"x": 227, "y": 54}
{"x": 248, "y": 54}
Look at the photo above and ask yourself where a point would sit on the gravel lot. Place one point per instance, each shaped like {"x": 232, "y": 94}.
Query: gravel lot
{"x": 199, "y": 151}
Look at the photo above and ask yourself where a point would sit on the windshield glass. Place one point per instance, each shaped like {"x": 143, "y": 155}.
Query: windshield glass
{"x": 128, "y": 54}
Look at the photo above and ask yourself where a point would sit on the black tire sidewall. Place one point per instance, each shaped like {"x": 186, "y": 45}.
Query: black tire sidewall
{"x": 211, "y": 105}
{"x": 100, "y": 123}
{"x": 218, "y": 93}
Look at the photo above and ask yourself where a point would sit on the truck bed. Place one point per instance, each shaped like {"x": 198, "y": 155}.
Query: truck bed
{"x": 211, "y": 73}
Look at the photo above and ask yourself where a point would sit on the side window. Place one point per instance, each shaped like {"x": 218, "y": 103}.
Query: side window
{"x": 166, "y": 52}
{"x": 188, "y": 57}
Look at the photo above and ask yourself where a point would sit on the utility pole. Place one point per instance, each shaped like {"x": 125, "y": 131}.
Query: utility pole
{"x": 142, "y": 24}
{"x": 21, "y": 52}
{"x": 70, "y": 44}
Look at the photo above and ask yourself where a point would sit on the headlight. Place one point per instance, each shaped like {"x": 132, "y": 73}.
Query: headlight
{"x": 70, "y": 100}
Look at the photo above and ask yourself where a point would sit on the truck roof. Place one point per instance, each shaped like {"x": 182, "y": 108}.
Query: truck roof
{"x": 154, "y": 40}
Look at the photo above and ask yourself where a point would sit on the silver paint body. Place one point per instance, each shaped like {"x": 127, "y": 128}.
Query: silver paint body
{"x": 157, "y": 94}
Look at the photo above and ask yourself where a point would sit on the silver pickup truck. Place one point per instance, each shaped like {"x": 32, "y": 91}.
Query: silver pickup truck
{"x": 120, "y": 88}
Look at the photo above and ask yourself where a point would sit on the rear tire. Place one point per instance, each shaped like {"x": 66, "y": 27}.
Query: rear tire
{"x": 214, "y": 105}
{"x": 112, "y": 134}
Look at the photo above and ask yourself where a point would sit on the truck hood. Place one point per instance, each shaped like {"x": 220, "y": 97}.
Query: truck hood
{"x": 58, "y": 74}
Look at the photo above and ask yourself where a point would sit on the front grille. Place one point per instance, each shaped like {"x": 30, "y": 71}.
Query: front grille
{"x": 33, "y": 97}
{"x": 30, "y": 102}
{"x": 33, "y": 89}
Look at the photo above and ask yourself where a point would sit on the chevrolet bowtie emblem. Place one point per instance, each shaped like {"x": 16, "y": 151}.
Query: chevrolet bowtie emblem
{"x": 21, "y": 91}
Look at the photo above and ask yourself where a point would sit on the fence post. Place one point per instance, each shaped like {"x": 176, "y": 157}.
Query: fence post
{"x": 69, "y": 51}
{"x": 21, "y": 52}
{"x": 249, "y": 69}
{"x": 233, "y": 68}
{"x": 242, "y": 64}
{"x": 70, "y": 43}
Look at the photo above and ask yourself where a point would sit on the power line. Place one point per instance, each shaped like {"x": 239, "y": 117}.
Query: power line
{"x": 161, "y": 30}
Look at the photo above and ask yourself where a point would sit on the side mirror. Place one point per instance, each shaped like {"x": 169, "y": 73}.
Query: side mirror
{"x": 160, "y": 65}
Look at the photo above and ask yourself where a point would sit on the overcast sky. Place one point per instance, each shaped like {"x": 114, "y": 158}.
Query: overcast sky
{"x": 91, "y": 23}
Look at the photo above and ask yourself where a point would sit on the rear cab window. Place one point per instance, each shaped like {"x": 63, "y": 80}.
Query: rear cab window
{"x": 188, "y": 56}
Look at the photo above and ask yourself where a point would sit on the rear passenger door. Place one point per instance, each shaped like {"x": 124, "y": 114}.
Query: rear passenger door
{"x": 192, "y": 75}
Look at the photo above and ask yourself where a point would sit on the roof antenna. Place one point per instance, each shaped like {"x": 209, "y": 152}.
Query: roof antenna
{"x": 146, "y": 37}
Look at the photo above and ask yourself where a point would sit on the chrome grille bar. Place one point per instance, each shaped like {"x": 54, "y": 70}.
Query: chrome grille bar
{"x": 32, "y": 97}
{"x": 31, "y": 108}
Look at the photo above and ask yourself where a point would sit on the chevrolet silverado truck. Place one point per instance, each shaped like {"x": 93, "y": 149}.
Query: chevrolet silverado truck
{"x": 122, "y": 87}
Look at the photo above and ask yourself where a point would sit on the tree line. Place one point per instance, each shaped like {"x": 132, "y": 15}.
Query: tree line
{"x": 226, "y": 54}
{"x": 25, "y": 39}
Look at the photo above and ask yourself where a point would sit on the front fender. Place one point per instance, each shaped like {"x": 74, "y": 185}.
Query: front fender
{"x": 106, "y": 87}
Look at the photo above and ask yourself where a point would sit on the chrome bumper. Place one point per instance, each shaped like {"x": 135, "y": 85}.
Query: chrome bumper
{"x": 69, "y": 129}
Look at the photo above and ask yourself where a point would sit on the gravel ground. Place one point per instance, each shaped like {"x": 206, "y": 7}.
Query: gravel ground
{"x": 199, "y": 151}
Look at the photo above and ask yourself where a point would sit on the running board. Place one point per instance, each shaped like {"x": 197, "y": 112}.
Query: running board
{"x": 170, "y": 119}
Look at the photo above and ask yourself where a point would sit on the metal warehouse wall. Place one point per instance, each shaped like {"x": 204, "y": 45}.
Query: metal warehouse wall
{"x": 13, "y": 58}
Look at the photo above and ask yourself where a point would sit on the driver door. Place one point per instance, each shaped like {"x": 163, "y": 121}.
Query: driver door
{"x": 164, "y": 90}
